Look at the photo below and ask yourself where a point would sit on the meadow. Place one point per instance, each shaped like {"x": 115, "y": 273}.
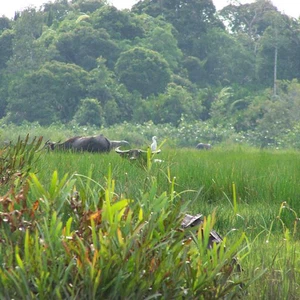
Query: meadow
{"x": 73, "y": 224}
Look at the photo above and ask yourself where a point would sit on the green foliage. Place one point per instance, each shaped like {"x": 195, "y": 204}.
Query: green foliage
{"x": 220, "y": 108}
{"x": 292, "y": 138}
{"x": 271, "y": 120}
{"x": 102, "y": 234}
{"x": 6, "y": 47}
{"x": 237, "y": 65}
{"x": 195, "y": 68}
{"x": 87, "y": 6}
{"x": 190, "y": 18}
{"x": 163, "y": 41}
{"x": 88, "y": 235}
{"x": 89, "y": 113}
{"x": 64, "y": 244}
{"x": 83, "y": 45}
{"x": 249, "y": 18}
{"x": 143, "y": 70}
{"x": 47, "y": 95}
{"x": 101, "y": 85}
{"x": 119, "y": 24}
{"x": 159, "y": 62}
{"x": 26, "y": 52}
{"x": 168, "y": 108}
{"x": 5, "y": 23}
{"x": 282, "y": 267}
{"x": 17, "y": 160}
{"x": 56, "y": 11}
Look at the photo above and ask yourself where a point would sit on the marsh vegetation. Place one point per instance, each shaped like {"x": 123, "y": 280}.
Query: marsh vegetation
{"x": 98, "y": 225}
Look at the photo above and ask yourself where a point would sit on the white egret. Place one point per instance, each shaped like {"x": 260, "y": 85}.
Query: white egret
{"x": 154, "y": 144}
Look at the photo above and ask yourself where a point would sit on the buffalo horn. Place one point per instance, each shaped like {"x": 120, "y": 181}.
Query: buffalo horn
{"x": 118, "y": 150}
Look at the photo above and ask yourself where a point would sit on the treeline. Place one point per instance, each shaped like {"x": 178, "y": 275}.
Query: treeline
{"x": 87, "y": 63}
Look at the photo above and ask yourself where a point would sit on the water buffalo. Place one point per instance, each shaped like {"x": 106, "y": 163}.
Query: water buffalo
{"x": 97, "y": 143}
{"x": 134, "y": 153}
{"x": 202, "y": 146}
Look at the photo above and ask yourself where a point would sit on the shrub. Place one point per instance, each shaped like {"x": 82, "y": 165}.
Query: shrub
{"x": 89, "y": 112}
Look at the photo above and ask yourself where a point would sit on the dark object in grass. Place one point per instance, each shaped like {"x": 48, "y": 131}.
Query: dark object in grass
{"x": 134, "y": 153}
{"x": 190, "y": 221}
{"x": 202, "y": 146}
{"x": 98, "y": 143}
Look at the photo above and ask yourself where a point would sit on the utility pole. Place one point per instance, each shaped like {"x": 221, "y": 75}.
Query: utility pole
{"x": 275, "y": 71}
{"x": 275, "y": 62}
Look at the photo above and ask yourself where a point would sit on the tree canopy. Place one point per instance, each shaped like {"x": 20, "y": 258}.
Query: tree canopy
{"x": 159, "y": 61}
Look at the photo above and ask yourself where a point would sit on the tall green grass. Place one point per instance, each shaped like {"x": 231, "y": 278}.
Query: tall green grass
{"x": 205, "y": 179}
{"x": 72, "y": 236}
{"x": 253, "y": 193}
{"x": 262, "y": 180}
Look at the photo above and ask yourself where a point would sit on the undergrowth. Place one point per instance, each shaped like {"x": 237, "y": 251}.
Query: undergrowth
{"x": 76, "y": 225}
{"x": 73, "y": 237}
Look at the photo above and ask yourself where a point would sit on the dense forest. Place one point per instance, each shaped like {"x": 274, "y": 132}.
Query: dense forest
{"x": 175, "y": 62}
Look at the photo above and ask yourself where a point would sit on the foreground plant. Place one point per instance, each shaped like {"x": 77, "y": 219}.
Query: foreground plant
{"x": 17, "y": 160}
{"x": 92, "y": 243}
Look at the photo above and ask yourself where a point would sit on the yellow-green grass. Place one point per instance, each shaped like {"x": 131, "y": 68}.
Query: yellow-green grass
{"x": 263, "y": 180}
{"x": 251, "y": 191}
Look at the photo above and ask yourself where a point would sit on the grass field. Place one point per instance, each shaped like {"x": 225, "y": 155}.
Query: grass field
{"x": 262, "y": 180}
{"x": 255, "y": 193}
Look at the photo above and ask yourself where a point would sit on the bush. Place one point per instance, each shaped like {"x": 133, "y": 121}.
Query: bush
{"x": 89, "y": 112}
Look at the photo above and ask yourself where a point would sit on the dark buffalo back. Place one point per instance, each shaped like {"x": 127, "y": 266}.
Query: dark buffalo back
{"x": 202, "y": 146}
